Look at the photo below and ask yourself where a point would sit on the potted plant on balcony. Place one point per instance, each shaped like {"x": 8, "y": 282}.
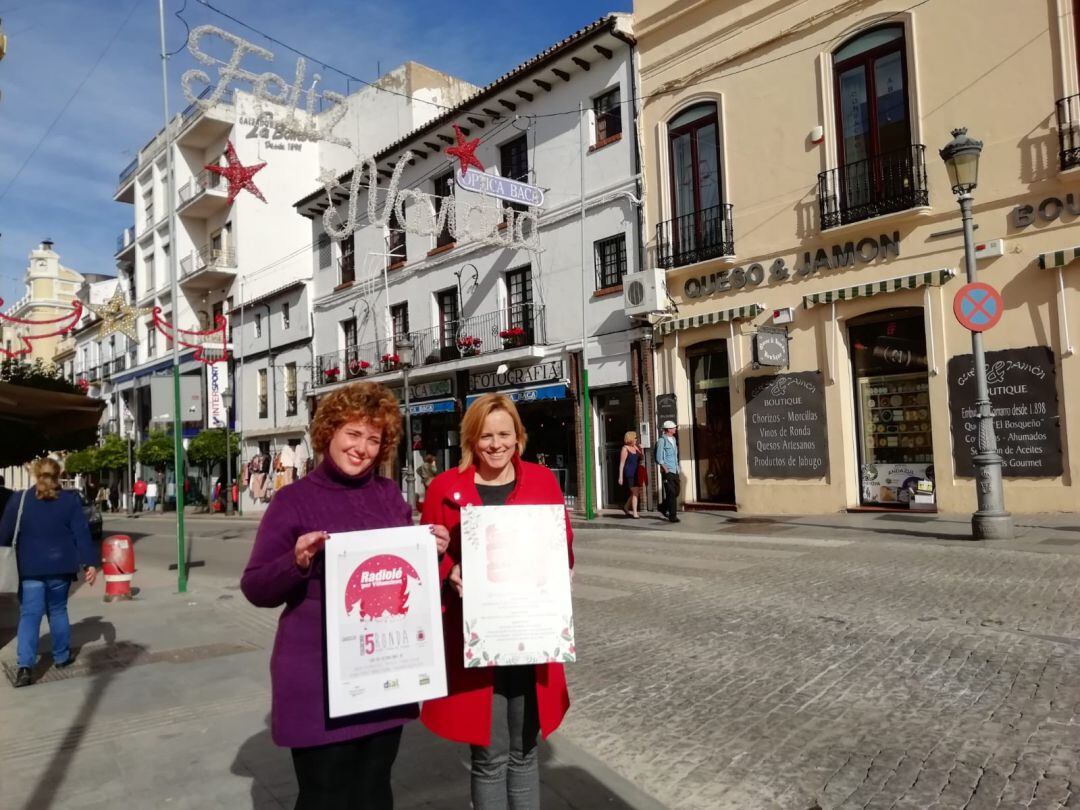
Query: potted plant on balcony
{"x": 82, "y": 384}
{"x": 331, "y": 374}
{"x": 358, "y": 367}
{"x": 468, "y": 345}
{"x": 512, "y": 337}
{"x": 390, "y": 362}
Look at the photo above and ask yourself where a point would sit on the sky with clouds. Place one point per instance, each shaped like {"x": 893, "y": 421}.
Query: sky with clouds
{"x": 96, "y": 64}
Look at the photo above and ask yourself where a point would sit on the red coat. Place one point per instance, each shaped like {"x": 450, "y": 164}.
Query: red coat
{"x": 465, "y": 714}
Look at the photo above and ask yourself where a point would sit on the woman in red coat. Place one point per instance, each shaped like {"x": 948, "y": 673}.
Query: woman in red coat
{"x": 497, "y": 710}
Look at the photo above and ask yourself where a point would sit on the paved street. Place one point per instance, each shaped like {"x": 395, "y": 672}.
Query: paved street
{"x": 747, "y": 664}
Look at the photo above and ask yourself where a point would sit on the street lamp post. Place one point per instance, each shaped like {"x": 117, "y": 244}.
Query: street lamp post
{"x": 129, "y": 423}
{"x": 990, "y": 521}
{"x": 403, "y": 348}
{"x": 226, "y": 400}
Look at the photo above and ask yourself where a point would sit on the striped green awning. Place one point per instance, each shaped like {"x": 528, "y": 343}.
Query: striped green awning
{"x": 708, "y": 318}
{"x": 1058, "y": 258}
{"x": 886, "y": 285}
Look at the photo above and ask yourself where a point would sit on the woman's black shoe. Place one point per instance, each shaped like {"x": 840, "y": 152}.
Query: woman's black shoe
{"x": 22, "y": 677}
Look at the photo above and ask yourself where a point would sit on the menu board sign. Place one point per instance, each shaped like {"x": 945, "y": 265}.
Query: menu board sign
{"x": 1023, "y": 397}
{"x": 666, "y": 409}
{"x": 785, "y": 426}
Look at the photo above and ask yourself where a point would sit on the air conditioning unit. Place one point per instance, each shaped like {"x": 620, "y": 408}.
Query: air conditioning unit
{"x": 645, "y": 292}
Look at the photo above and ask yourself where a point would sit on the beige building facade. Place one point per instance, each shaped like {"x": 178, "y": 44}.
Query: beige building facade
{"x": 811, "y": 248}
{"x": 50, "y": 290}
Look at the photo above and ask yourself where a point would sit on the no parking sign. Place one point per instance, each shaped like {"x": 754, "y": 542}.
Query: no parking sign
{"x": 978, "y": 306}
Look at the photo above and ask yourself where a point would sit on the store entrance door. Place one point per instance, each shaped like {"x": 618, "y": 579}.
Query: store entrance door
{"x": 616, "y": 409}
{"x": 714, "y": 469}
{"x": 892, "y": 403}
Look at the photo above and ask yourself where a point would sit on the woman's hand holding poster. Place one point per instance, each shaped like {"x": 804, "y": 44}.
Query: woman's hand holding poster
{"x": 516, "y": 586}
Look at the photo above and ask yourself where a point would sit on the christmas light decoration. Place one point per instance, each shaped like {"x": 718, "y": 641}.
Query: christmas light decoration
{"x": 61, "y": 326}
{"x": 207, "y": 349}
{"x": 267, "y": 88}
{"x": 464, "y": 151}
{"x": 239, "y": 176}
{"x": 118, "y": 316}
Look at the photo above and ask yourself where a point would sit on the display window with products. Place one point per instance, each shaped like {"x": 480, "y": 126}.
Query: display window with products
{"x": 712, "y": 444}
{"x": 893, "y": 410}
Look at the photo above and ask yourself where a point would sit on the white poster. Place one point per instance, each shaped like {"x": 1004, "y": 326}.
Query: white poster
{"x": 515, "y": 570}
{"x": 217, "y": 381}
{"x": 384, "y": 639}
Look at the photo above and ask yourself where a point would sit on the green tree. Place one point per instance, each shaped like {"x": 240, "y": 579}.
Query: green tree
{"x": 38, "y": 374}
{"x": 157, "y": 450}
{"x": 82, "y": 462}
{"x": 209, "y": 447}
{"x": 113, "y": 453}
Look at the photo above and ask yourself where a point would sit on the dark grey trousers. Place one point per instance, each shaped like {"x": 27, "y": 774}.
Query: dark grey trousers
{"x": 506, "y": 774}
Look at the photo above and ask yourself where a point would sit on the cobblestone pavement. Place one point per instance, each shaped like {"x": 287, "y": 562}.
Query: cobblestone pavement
{"x": 779, "y": 672}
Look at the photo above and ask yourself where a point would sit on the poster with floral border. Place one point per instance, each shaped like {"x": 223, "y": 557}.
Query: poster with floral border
{"x": 384, "y": 638}
{"x": 515, "y": 570}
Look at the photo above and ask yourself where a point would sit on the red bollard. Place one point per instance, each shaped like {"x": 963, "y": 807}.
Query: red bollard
{"x": 118, "y": 565}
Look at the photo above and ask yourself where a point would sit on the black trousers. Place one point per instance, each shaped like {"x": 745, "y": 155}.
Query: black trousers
{"x": 669, "y": 505}
{"x": 352, "y": 775}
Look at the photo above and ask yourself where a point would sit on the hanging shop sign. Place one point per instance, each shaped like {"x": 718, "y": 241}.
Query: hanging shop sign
{"x": 1046, "y": 211}
{"x": 501, "y": 187}
{"x": 666, "y": 408}
{"x": 428, "y": 389}
{"x": 547, "y": 371}
{"x": 273, "y": 133}
{"x": 1023, "y": 398}
{"x": 536, "y": 394}
{"x": 217, "y": 382}
{"x": 786, "y": 431}
{"x": 838, "y": 257}
{"x": 771, "y": 347}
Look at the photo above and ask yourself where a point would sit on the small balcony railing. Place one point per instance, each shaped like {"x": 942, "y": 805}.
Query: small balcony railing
{"x": 511, "y": 328}
{"x": 118, "y": 364}
{"x": 1068, "y": 123}
{"x": 198, "y": 184}
{"x": 92, "y": 374}
{"x": 890, "y": 182}
{"x": 695, "y": 237}
{"x": 126, "y": 239}
{"x": 127, "y": 171}
{"x": 208, "y": 257}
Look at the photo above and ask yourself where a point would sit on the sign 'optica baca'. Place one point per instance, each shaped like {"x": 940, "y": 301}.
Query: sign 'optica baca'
{"x": 502, "y": 187}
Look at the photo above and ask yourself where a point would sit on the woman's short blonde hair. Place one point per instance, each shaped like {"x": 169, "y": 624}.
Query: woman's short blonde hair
{"x": 472, "y": 425}
{"x": 630, "y": 436}
{"x": 360, "y": 402}
{"x": 47, "y": 473}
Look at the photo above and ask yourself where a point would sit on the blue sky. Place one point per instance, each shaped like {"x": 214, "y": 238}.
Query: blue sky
{"x": 65, "y": 190}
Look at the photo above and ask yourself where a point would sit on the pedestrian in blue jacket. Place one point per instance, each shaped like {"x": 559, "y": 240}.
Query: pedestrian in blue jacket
{"x": 53, "y": 543}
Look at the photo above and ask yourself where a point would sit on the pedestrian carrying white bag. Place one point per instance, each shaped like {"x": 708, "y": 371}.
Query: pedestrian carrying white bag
{"x": 9, "y": 563}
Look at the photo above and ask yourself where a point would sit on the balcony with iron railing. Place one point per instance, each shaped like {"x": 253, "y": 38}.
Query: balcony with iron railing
{"x": 864, "y": 189}
{"x": 125, "y": 242}
{"x": 203, "y": 195}
{"x": 695, "y": 237}
{"x": 207, "y": 267}
{"x": 514, "y": 327}
{"x": 1068, "y": 124}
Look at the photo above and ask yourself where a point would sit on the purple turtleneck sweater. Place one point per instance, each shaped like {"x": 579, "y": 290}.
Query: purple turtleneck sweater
{"x": 331, "y": 501}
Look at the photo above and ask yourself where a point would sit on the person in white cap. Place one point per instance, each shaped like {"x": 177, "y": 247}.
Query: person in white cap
{"x": 667, "y": 456}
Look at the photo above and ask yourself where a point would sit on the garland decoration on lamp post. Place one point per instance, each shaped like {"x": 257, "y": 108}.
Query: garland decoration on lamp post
{"x": 210, "y": 344}
{"x": 62, "y": 325}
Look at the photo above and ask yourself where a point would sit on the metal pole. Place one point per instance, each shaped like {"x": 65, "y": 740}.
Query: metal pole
{"x": 130, "y": 476}
{"x": 410, "y": 480}
{"x": 228, "y": 467}
{"x": 170, "y": 203}
{"x": 990, "y": 521}
{"x": 586, "y": 404}
{"x": 238, "y": 382}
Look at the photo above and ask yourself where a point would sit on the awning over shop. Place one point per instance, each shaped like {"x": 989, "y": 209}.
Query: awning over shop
{"x": 431, "y": 406}
{"x": 1055, "y": 260}
{"x": 559, "y": 391}
{"x": 709, "y": 318}
{"x": 933, "y": 278}
{"x": 34, "y": 420}
{"x": 1058, "y": 258}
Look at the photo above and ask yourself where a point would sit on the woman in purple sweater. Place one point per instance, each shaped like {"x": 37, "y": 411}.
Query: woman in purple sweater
{"x": 341, "y": 762}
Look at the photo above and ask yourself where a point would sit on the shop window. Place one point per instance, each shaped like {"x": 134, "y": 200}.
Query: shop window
{"x": 607, "y": 112}
{"x": 347, "y": 262}
{"x": 714, "y": 470}
{"x": 700, "y": 228}
{"x": 444, "y": 188}
{"x": 610, "y": 257}
{"x": 880, "y": 169}
{"x": 892, "y": 401}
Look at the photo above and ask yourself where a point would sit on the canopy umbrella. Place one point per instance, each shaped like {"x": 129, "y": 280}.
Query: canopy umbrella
{"x": 35, "y": 421}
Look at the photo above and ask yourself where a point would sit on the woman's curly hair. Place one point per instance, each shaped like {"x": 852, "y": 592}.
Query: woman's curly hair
{"x": 364, "y": 401}
{"x": 46, "y": 471}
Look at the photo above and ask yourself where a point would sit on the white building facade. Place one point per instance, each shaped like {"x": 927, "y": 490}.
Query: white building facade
{"x": 482, "y": 316}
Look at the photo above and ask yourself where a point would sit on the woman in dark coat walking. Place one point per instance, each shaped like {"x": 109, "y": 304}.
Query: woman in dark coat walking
{"x": 53, "y": 543}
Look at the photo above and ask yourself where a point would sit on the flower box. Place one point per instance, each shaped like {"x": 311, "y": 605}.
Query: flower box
{"x": 390, "y": 362}
{"x": 469, "y": 346}
{"x": 512, "y": 337}
{"x": 331, "y": 374}
{"x": 358, "y": 368}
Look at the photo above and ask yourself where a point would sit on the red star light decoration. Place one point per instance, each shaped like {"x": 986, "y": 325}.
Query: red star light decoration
{"x": 464, "y": 151}
{"x": 239, "y": 177}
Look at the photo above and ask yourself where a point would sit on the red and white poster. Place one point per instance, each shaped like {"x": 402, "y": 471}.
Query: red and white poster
{"x": 383, "y": 620}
